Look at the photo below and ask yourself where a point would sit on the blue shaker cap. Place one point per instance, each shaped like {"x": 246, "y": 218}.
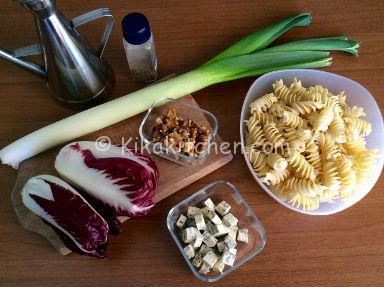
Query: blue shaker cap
{"x": 136, "y": 28}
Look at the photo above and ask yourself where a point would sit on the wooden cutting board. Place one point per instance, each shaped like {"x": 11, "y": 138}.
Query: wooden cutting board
{"x": 173, "y": 176}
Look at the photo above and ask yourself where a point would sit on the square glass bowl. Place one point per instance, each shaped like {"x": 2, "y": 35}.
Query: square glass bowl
{"x": 219, "y": 191}
{"x": 186, "y": 111}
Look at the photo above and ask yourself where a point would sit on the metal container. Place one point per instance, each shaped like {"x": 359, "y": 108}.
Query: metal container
{"x": 75, "y": 74}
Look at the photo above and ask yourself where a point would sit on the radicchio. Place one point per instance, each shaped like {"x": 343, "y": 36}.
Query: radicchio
{"x": 117, "y": 181}
{"x": 60, "y": 206}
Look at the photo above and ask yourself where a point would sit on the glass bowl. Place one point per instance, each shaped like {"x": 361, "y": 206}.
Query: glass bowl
{"x": 186, "y": 111}
{"x": 357, "y": 95}
{"x": 219, "y": 191}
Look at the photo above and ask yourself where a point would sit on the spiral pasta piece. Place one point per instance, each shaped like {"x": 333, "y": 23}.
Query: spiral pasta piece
{"x": 364, "y": 127}
{"x": 256, "y": 134}
{"x": 276, "y": 161}
{"x": 287, "y": 95}
{"x": 273, "y": 134}
{"x": 354, "y": 144}
{"x": 330, "y": 176}
{"x": 347, "y": 178}
{"x": 277, "y": 109}
{"x": 275, "y": 176}
{"x": 257, "y": 159}
{"x": 312, "y": 97}
{"x": 304, "y": 186}
{"x": 306, "y": 107}
{"x": 337, "y": 129}
{"x": 302, "y": 168}
{"x": 353, "y": 112}
{"x": 312, "y": 155}
{"x": 323, "y": 120}
{"x": 263, "y": 103}
{"x": 328, "y": 148}
{"x": 291, "y": 119}
{"x": 319, "y": 89}
{"x": 364, "y": 165}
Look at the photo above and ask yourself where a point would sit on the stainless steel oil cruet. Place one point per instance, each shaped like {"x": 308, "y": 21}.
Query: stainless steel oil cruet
{"x": 75, "y": 73}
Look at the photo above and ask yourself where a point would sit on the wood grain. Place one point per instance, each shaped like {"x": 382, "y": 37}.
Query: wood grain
{"x": 345, "y": 249}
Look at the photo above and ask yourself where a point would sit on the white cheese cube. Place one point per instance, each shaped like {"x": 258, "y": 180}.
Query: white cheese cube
{"x": 198, "y": 240}
{"x": 209, "y": 204}
{"x": 200, "y": 223}
{"x": 204, "y": 249}
{"x": 197, "y": 260}
{"x": 209, "y": 227}
{"x": 223, "y": 208}
{"x": 233, "y": 232}
{"x": 231, "y": 243}
{"x": 214, "y": 217}
{"x": 210, "y": 258}
{"x": 221, "y": 246}
{"x": 204, "y": 211}
{"x": 189, "y": 251}
{"x": 229, "y": 220}
{"x": 204, "y": 269}
{"x": 243, "y": 235}
{"x": 219, "y": 266}
{"x": 192, "y": 211}
{"x": 209, "y": 240}
{"x": 180, "y": 222}
{"x": 189, "y": 234}
{"x": 219, "y": 230}
{"x": 229, "y": 257}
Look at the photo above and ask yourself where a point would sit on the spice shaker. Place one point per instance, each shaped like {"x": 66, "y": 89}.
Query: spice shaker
{"x": 139, "y": 47}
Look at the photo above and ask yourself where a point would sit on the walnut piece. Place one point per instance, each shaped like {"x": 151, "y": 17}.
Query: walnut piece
{"x": 181, "y": 135}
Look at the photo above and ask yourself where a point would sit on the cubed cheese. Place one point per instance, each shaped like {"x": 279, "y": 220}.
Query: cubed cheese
{"x": 197, "y": 260}
{"x": 204, "y": 211}
{"x": 209, "y": 240}
{"x": 192, "y": 211}
{"x": 242, "y": 235}
{"x": 188, "y": 234}
{"x": 231, "y": 243}
{"x": 198, "y": 240}
{"x": 189, "y": 251}
{"x": 214, "y": 217}
{"x": 219, "y": 265}
{"x": 204, "y": 269}
{"x": 219, "y": 230}
{"x": 209, "y": 227}
{"x": 222, "y": 246}
{"x": 199, "y": 221}
{"x": 223, "y": 208}
{"x": 210, "y": 258}
{"x": 180, "y": 222}
{"x": 209, "y": 204}
{"x": 204, "y": 249}
{"x": 229, "y": 220}
{"x": 229, "y": 257}
{"x": 233, "y": 232}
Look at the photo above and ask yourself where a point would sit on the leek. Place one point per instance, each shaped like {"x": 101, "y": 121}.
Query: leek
{"x": 339, "y": 43}
{"x": 263, "y": 38}
{"x": 244, "y": 59}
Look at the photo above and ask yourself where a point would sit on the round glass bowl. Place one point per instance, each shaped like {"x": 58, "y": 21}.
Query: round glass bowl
{"x": 357, "y": 95}
{"x": 219, "y": 191}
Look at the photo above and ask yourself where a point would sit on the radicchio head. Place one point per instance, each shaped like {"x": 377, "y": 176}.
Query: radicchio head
{"x": 117, "y": 181}
{"x": 60, "y": 206}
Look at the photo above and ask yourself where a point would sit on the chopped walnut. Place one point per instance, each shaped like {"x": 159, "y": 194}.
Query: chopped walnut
{"x": 181, "y": 135}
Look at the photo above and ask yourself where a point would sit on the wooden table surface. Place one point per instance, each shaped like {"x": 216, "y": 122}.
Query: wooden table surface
{"x": 345, "y": 249}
